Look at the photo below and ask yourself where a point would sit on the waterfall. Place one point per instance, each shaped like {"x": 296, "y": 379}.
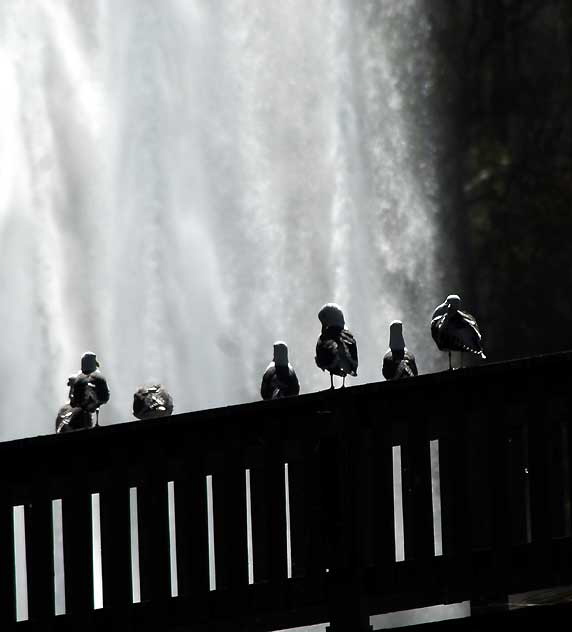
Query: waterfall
{"x": 185, "y": 182}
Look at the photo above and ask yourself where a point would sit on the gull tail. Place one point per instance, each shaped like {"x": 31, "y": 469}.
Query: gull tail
{"x": 478, "y": 352}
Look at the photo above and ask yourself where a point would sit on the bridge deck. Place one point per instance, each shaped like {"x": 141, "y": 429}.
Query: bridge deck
{"x": 303, "y": 506}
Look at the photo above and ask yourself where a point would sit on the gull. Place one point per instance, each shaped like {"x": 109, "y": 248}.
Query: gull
{"x": 398, "y": 362}
{"x": 455, "y": 330}
{"x": 336, "y": 349}
{"x": 279, "y": 379}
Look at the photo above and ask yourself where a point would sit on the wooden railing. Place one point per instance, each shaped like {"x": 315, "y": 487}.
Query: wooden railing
{"x": 298, "y": 525}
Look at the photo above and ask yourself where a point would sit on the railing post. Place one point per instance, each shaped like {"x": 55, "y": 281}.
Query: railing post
{"x": 39, "y": 556}
{"x": 115, "y": 524}
{"x": 229, "y": 514}
{"x": 417, "y": 499}
{"x": 492, "y": 593}
{"x": 78, "y": 548}
{"x": 456, "y": 507}
{"x": 381, "y": 499}
{"x": 153, "y": 525}
{"x": 541, "y": 430}
{"x": 345, "y": 460}
{"x": 7, "y": 564}
{"x": 307, "y": 519}
{"x": 192, "y": 527}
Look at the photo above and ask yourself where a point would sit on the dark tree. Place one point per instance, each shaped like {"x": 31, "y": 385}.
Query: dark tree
{"x": 505, "y": 86}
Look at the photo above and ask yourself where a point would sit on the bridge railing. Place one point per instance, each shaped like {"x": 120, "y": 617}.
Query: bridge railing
{"x": 331, "y": 506}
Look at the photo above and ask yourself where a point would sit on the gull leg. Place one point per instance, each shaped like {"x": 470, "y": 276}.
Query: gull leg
{"x": 343, "y": 381}
{"x": 450, "y": 365}
{"x": 331, "y": 380}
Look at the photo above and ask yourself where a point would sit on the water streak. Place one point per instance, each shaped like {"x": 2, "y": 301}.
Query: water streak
{"x": 184, "y": 183}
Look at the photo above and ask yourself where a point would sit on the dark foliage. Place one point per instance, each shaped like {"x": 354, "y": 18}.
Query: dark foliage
{"x": 505, "y": 82}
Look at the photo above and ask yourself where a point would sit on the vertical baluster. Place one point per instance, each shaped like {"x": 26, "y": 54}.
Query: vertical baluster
{"x": 153, "y": 523}
{"x": 115, "y": 528}
{"x": 192, "y": 528}
{"x": 481, "y": 469}
{"x": 330, "y": 495}
{"x": 115, "y": 522}
{"x": 382, "y": 503}
{"x": 297, "y": 516}
{"x": 261, "y": 541}
{"x": 541, "y": 429}
{"x": 229, "y": 512}
{"x": 275, "y": 499}
{"x": 40, "y": 558}
{"x": 417, "y": 498}
{"x": 455, "y": 508}
{"x": 7, "y": 565}
{"x": 479, "y": 473}
{"x": 553, "y": 418}
{"x": 268, "y": 506}
{"x": 557, "y": 471}
{"x": 316, "y": 557}
{"x": 518, "y": 481}
{"x": 305, "y": 528}
{"x": 78, "y": 549}
{"x": 492, "y": 589}
{"x": 566, "y": 569}
{"x": 365, "y": 489}
{"x": 348, "y": 469}
{"x": 564, "y": 475}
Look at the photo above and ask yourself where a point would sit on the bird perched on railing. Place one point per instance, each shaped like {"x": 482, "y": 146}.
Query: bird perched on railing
{"x": 87, "y": 392}
{"x": 398, "y": 362}
{"x": 89, "y": 389}
{"x": 455, "y": 330}
{"x": 279, "y": 379}
{"x": 336, "y": 349}
{"x": 152, "y": 400}
{"x": 70, "y": 418}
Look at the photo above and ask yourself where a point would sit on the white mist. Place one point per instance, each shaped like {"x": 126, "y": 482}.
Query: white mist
{"x": 185, "y": 182}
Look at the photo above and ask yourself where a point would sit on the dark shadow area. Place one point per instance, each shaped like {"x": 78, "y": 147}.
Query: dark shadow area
{"x": 504, "y": 78}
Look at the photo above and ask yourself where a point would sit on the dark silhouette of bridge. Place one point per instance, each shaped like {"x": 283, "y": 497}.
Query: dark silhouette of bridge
{"x": 323, "y": 541}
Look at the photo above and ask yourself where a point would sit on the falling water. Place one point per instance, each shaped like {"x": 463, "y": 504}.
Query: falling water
{"x": 185, "y": 182}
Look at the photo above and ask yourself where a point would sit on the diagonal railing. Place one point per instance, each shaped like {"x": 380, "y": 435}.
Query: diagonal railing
{"x": 331, "y": 506}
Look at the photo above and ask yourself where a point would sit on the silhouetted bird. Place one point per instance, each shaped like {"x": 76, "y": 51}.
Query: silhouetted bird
{"x": 336, "y": 349}
{"x": 89, "y": 390}
{"x": 152, "y": 400}
{"x": 72, "y": 417}
{"x": 398, "y": 362}
{"x": 279, "y": 379}
{"x": 454, "y": 330}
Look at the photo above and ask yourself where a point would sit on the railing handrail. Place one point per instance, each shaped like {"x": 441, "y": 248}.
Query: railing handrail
{"x": 340, "y": 446}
